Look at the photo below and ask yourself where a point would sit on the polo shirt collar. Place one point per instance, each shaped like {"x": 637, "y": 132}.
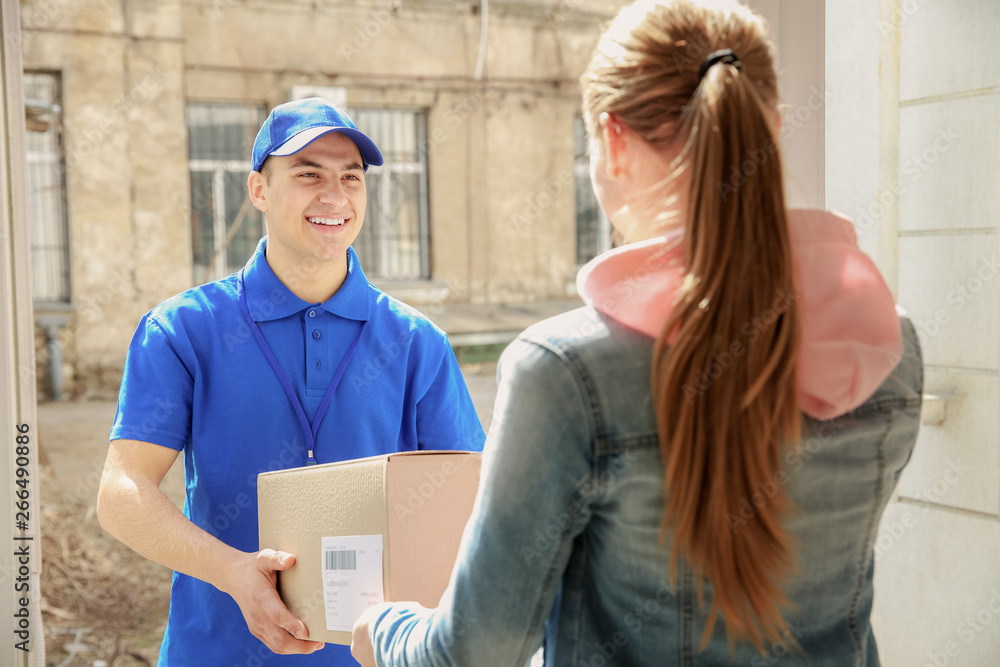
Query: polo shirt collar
{"x": 269, "y": 299}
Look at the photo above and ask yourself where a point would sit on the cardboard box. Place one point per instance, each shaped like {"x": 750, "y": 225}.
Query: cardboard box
{"x": 391, "y": 522}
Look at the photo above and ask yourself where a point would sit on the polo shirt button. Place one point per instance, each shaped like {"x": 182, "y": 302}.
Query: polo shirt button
{"x": 316, "y": 334}
{"x": 312, "y": 313}
{"x": 317, "y": 364}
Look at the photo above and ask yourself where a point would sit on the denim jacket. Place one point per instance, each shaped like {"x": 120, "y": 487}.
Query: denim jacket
{"x": 563, "y": 544}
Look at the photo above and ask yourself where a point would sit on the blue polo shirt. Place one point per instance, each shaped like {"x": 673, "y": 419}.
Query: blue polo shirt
{"x": 196, "y": 380}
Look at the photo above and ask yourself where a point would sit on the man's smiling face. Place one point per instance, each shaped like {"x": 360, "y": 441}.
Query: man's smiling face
{"x": 314, "y": 202}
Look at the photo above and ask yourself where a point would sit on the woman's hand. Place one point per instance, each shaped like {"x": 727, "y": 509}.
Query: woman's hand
{"x": 361, "y": 643}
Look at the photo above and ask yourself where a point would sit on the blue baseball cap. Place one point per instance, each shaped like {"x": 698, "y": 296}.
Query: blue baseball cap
{"x": 292, "y": 126}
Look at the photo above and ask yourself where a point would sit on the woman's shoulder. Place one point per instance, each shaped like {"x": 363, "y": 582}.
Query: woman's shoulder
{"x": 575, "y": 325}
{"x": 583, "y": 327}
{"x": 591, "y": 341}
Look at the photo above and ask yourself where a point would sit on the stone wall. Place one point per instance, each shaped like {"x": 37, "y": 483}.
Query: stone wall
{"x": 121, "y": 68}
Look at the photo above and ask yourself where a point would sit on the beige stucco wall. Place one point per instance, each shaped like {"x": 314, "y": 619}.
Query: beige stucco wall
{"x": 914, "y": 158}
{"x": 121, "y": 68}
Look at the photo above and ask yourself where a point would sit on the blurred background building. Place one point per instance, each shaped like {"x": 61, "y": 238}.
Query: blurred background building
{"x": 143, "y": 114}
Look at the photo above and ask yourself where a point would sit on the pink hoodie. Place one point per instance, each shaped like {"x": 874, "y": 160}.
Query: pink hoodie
{"x": 851, "y": 338}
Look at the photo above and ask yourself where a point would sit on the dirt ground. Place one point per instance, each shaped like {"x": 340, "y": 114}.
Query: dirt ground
{"x": 100, "y": 600}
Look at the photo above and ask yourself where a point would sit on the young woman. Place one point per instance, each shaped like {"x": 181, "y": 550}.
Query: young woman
{"x": 691, "y": 469}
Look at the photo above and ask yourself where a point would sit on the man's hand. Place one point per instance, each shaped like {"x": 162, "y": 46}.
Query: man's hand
{"x": 252, "y": 584}
{"x": 361, "y": 643}
{"x": 132, "y": 507}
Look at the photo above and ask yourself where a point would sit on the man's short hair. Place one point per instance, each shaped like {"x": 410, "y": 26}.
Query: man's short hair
{"x": 265, "y": 169}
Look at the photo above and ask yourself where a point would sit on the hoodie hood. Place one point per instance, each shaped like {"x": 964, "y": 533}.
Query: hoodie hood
{"x": 851, "y": 336}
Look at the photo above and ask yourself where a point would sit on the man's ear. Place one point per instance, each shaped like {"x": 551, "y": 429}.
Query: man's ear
{"x": 256, "y": 185}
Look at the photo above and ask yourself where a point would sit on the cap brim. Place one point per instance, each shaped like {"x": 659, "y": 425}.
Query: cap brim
{"x": 369, "y": 151}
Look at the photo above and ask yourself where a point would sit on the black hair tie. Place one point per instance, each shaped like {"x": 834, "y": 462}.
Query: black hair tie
{"x": 724, "y": 56}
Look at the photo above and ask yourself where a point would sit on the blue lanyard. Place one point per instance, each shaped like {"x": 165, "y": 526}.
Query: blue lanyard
{"x": 309, "y": 430}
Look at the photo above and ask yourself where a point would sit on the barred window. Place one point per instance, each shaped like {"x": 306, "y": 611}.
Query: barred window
{"x": 225, "y": 227}
{"x": 394, "y": 241}
{"x": 593, "y": 229}
{"x": 46, "y": 189}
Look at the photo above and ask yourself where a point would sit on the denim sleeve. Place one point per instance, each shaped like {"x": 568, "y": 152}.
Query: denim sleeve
{"x": 154, "y": 400}
{"x": 446, "y": 416}
{"x": 533, "y": 500}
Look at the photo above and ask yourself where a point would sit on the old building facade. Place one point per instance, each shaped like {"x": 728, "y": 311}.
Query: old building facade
{"x": 138, "y": 176}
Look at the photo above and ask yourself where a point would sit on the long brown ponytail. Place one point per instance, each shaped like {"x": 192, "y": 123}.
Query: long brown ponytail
{"x": 725, "y": 363}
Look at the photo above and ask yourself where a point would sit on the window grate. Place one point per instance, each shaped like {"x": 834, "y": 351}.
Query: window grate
{"x": 46, "y": 189}
{"x": 394, "y": 242}
{"x": 220, "y": 137}
{"x": 593, "y": 229}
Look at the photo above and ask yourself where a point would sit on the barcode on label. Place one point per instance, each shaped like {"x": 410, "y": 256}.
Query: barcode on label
{"x": 341, "y": 560}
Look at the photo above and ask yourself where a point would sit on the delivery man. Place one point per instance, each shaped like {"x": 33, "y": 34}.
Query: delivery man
{"x": 296, "y": 359}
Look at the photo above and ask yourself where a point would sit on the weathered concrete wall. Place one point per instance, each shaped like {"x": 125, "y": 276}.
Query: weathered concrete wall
{"x": 500, "y": 153}
{"x": 125, "y": 141}
{"x": 532, "y": 239}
